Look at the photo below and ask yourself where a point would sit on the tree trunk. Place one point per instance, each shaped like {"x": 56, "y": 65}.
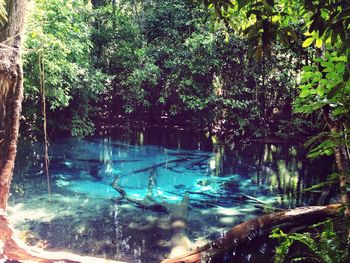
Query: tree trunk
{"x": 341, "y": 159}
{"x": 11, "y": 92}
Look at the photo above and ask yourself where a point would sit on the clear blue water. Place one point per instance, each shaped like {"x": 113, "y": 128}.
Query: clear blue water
{"x": 82, "y": 215}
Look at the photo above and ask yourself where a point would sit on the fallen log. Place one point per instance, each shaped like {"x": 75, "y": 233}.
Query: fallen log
{"x": 149, "y": 202}
{"x": 12, "y": 249}
{"x": 262, "y": 226}
{"x": 179, "y": 242}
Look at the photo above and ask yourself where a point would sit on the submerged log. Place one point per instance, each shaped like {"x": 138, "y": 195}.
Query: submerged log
{"x": 180, "y": 243}
{"x": 258, "y": 227}
{"x": 149, "y": 202}
{"x": 12, "y": 249}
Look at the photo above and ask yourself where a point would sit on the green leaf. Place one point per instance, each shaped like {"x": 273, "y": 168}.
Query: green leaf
{"x": 308, "y": 68}
{"x": 320, "y": 91}
{"x": 304, "y": 93}
{"x": 328, "y": 70}
{"x": 327, "y": 64}
{"x": 319, "y": 43}
{"x": 339, "y": 67}
{"x": 308, "y": 42}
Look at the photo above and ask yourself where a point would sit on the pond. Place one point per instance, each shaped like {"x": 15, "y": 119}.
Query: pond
{"x": 84, "y": 214}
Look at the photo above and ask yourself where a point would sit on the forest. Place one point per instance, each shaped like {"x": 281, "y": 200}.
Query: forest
{"x": 175, "y": 131}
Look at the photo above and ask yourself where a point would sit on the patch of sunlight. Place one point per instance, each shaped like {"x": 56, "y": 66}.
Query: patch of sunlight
{"x": 59, "y": 198}
{"x": 227, "y": 220}
{"x": 199, "y": 242}
{"x": 173, "y": 198}
{"x": 212, "y": 163}
{"x": 227, "y": 211}
{"x": 69, "y": 164}
{"x": 182, "y": 245}
{"x": 126, "y": 206}
{"x": 18, "y": 213}
{"x": 207, "y": 188}
{"x": 64, "y": 176}
{"x": 202, "y": 188}
{"x": 91, "y": 188}
{"x": 267, "y": 199}
{"x": 248, "y": 209}
{"x": 62, "y": 183}
{"x": 81, "y": 229}
{"x": 151, "y": 219}
{"x": 207, "y": 211}
{"x": 139, "y": 226}
{"x": 56, "y": 256}
{"x": 303, "y": 210}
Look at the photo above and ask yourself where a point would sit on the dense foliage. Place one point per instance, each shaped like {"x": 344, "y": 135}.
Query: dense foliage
{"x": 324, "y": 83}
{"x": 233, "y": 67}
{"x": 59, "y": 34}
{"x": 321, "y": 28}
{"x": 155, "y": 62}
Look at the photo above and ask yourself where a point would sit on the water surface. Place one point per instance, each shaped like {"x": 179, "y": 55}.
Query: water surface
{"x": 83, "y": 213}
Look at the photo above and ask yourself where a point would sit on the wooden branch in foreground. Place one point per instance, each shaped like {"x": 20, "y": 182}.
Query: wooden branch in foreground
{"x": 13, "y": 249}
{"x": 260, "y": 226}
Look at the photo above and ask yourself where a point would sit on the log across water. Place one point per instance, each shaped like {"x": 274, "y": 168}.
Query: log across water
{"x": 12, "y": 248}
{"x": 260, "y": 226}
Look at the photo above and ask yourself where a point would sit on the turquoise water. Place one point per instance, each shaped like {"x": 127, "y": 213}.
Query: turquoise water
{"x": 84, "y": 213}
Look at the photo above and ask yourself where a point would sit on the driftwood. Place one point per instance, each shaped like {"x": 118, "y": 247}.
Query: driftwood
{"x": 261, "y": 226}
{"x": 14, "y": 250}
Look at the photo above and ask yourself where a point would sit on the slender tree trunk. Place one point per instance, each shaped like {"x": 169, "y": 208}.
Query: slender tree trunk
{"x": 11, "y": 92}
{"x": 341, "y": 159}
{"x": 43, "y": 111}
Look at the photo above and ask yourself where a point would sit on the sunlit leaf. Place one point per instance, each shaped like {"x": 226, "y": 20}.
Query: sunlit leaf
{"x": 320, "y": 91}
{"x": 319, "y": 43}
{"x": 308, "y": 42}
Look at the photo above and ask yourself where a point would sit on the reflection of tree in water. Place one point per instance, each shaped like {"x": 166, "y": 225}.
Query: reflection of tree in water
{"x": 219, "y": 183}
{"x": 283, "y": 168}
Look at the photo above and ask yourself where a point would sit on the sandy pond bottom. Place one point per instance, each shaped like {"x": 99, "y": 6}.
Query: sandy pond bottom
{"x": 81, "y": 214}
{"x": 96, "y": 226}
